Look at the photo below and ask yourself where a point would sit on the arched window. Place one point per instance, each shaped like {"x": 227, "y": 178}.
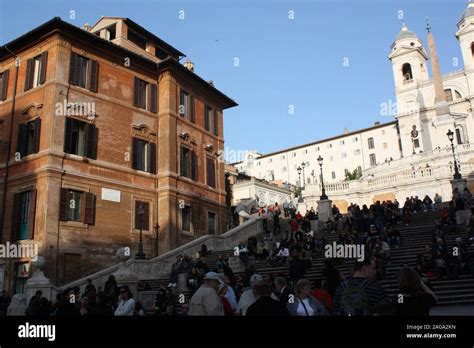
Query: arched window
{"x": 406, "y": 72}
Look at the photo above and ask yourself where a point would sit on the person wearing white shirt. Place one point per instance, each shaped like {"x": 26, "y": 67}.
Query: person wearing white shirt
{"x": 126, "y": 306}
{"x": 304, "y": 304}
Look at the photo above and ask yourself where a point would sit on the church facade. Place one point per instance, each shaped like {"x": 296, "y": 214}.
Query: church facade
{"x": 413, "y": 146}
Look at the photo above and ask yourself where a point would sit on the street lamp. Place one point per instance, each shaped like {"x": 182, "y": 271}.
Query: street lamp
{"x": 303, "y": 165}
{"x": 457, "y": 175}
{"x": 140, "y": 255}
{"x": 299, "y": 175}
{"x": 323, "y": 191}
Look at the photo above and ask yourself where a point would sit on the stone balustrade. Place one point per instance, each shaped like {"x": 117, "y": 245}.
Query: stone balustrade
{"x": 132, "y": 270}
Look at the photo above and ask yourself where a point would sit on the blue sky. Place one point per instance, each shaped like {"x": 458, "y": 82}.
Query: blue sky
{"x": 282, "y": 61}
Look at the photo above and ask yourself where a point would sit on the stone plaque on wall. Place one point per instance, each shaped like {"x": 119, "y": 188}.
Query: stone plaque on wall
{"x": 110, "y": 195}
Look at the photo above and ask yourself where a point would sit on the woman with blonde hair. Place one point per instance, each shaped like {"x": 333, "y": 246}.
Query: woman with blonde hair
{"x": 303, "y": 304}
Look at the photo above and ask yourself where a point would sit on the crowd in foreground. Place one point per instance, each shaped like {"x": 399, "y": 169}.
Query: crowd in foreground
{"x": 218, "y": 291}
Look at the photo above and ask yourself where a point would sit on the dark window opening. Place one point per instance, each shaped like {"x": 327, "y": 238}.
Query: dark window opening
{"x": 211, "y": 223}
{"x": 110, "y": 32}
{"x": 77, "y": 206}
{"x": 207, "y": 117}
{"x": 29, "y": 137}
{"x": 407, "y": 73}
{"x": 84, "y": 72}
{"x": 186, "y": 218}
{"x": 137, "y": 39}
{"x": 144, "y": 155}
{"x": 80, "y": 138}
{"x": 210, "y": 172}
{"x": 4, "y": 84}
{"x": 188, "y": 163}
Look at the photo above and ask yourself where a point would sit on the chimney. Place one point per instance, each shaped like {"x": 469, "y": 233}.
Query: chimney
{"x": 189, "y": 65}
{"x": 346, "y": 131}
{"x": 376, "y": 123}
{"x": 86, "y": 27}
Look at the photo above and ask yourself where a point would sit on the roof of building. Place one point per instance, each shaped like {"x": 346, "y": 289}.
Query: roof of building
{"x": 468, "y": 12}
{"x": 405, "y": 33}
{"x": 135, "y": 26}
{"x": 57, "y": 26}
{"x": 327, "y": 139}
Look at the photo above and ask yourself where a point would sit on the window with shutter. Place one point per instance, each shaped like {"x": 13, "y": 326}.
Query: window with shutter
{"x": 183, "y": 103}
{"x": 29, "y": 74}
{"x": 94, "y": 76}
{"x": 91, "y": 138}
{"x": 210, "y": 172}
{"x": 194, "y": 166}
{"x": 152, "y": 158}
{"x": 216, "y": 123}
{"x": 43, "y": 66}
{"x": 89, "y": 208}
{"x": 63, "y": 204}
{"x": 207, "y": 117}
{"x": 36, "y": 71}
{"x": 74, "y": 205}
{"x": 144, "y": 155}
{"x": 32, "y": 214}
{"x": 140, "y": 89}
{"x": 188, "y": 163}
{"x": 84, "y": 72}
{"x": 152, "y": 98}
{"x": 28, "y": 137}
{"x": 72, "y": 68}
{"x": 21, "y": 140}
{"x": 80, "y": 138}
{"x": 192, "y": 110}
{"x": 15, "y": 216}
{"x": 23, "y": 215}
{"x": 4, "y": 84}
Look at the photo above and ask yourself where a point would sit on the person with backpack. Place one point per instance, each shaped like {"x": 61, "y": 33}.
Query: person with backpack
{"x": 359, "y": 295}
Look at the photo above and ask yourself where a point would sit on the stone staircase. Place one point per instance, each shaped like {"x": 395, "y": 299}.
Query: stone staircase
{"x": 413, "y": 240}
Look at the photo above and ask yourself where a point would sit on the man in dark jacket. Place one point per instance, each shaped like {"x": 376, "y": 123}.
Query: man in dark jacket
{"x": 283, "y": 292}
{"x": 265, "y": 305}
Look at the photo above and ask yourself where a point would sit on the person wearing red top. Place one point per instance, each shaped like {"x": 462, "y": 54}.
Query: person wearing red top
{"x": 225, "y": 303}
{"x": 299, "y": 217}
{"x": 323, "y": 296}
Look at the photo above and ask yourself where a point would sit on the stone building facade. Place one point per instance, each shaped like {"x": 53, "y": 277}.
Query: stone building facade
{"x": 109, "y": 134}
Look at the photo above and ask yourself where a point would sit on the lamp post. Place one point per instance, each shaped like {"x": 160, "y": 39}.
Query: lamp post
{"x": 457, "y": 175}
{"x": 299, "y": 175}
{"x": 157, "y": 239}
{"x": 304, "y": 182}
{"x": 140, "y": 255}
{"x": 323, "y": 191}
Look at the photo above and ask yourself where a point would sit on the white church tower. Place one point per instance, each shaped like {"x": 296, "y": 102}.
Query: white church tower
{"x": 410, "y": 71}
